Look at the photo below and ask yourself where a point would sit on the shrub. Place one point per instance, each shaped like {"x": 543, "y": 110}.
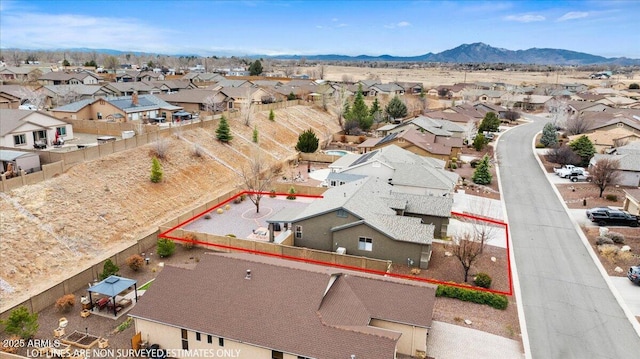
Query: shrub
{"x": 616, "y": 237}
{"x": 474, "y": 163}
{"x": 453, "y": 165}
{"x": 272, "y": 193}
{"x": 540, "y": 145}
{"x": 189, "y": 242}
{"x": 361, "y": 139}
{"x": 600, "y": 240}
{"x": 160, "y": 148}
{"x": 609, "y": 251}
{"x": 343, "y": 138}
{"x": 243, "y": 197}
{"x": 21, "y": 323}
{"x": 292, "y": 193}
{"x": 220, "y": 211}
{"x": 108, "y": 269}
{"x": 197, "y": 150}
{"x": 227, "y": 207}
{"x": 207, "y": 216}
{"x": 156, "y": 170}
{"x": 165, "y": 247}
{"x": 65, "y": 303}
{"x": 497, "y": 301}
{"x": 611, "y": 197}
{"x": 483, "y": 280}
{"x": 231, "y": 235}
{"x": 135, "y": 262}
{"x": 11, "y": 346}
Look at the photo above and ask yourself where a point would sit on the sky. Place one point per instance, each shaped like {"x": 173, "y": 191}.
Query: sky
{"x": 346, "y": 27}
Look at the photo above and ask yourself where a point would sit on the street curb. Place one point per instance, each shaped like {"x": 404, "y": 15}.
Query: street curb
{"x": 516, "y": 282}
{"x": 634, "y": 322}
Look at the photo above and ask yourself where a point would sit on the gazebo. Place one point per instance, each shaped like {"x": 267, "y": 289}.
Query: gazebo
{"x": 111, "y": 287}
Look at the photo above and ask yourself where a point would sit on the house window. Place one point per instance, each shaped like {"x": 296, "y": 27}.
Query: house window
{"x": 221, "y": 342}
{"x": 61, "y": 131}
{"x": 185, "y": 340}
{"x": 333, "y": 183}
{"x": 365, "y": 244}
{"x": 230, "y": 104}
{"x": 99, "y": 115}
{"x": 342, "y": 213}
{"x": 298, "y": 232}
{"x": 19, "y": 139}
{"x": 209, "y": 339}
{"x": 41, "y": 135}
{"x": 620, "y": 124}
{"x": 198, "y": 336}
{"x": 276, "y": 355}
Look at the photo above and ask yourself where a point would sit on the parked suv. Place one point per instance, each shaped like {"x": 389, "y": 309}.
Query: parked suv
{"x": 613, "y": 218}
{"x": 634, "y": 274}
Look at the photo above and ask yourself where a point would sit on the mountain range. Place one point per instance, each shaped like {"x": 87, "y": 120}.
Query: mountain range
{"x": 482, "y": 53}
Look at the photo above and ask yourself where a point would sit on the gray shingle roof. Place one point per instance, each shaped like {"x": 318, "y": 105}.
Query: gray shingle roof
{"x": 75, "y": 106}
{"x": 11, "y": 119}
{"x": 330, "y": 309}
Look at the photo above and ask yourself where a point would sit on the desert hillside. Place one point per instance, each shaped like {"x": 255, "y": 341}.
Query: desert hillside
{"x": 58, "y": 227}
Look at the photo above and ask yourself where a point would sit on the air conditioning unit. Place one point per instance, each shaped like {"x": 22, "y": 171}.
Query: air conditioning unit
{"x": 341, "y": 250}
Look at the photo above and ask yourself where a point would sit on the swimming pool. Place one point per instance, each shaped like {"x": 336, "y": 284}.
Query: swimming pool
{"x": 336, "y": 152}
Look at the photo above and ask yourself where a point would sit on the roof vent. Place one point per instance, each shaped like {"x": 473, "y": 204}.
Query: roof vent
{"x": 248, "y": 275}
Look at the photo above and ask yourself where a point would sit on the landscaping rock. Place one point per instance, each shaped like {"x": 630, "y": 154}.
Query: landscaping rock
{"x": 618, "y": 270}
{"x": 493, "y": 259}
{"x": 448, "y": 254}
{"x": 625, "y": 249}
{"x": 468, "y": 322}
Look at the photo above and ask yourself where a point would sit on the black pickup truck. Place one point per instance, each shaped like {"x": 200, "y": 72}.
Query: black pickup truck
{"x": 614, "y": 218}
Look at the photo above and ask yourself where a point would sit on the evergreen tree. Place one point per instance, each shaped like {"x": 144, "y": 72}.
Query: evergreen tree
{"x": 479, "y": 142}
{"x": 66, "y": 63}
{"x": 21, "y": 323}
{"x": 108, "y": 269}
{"x": 376, "y": 111}
{"x": 272, "y": 116}
{"x": 165, "y": 247}
{"x": 396, "y": 109}
{"x": 255, "y": 69}
{"x": 255, "y": 134}
{"x": 291, "y": 96}
{"x": 584, "y": 148}
{"x": 223, "y": 133}
{"x": 489, "y": 123}
{"x": 360, "y": 112}
{"x": 481, "y": 175}
{"x": 91, "y": 63}
{"x": 307, "y": 143}
{"x": 549, "y": 137}
{"x": 156, "y": 170}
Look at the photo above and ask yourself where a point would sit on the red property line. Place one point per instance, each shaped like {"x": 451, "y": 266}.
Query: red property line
{"x": 167, "y": 234}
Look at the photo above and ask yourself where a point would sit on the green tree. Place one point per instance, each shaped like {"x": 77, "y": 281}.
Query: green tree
{"x": 479, "y": 142}
{"x": 376, "y": 111}
{"x": 291, "y": 96}
{"x": 165, "y": 247}
{"x": 156, "y": 170}
{"x": 255, "y": 69}
{"x": 65, "y": 63}
{"x": 549, "y": 137}
{"x": 91, "y": 63}
{"x": 223, "y": 133}
{"x": 489, "y": 123}
{"x": 307, "y": 143}
{"x": 584, "y": 148}
{"x": 634, "y": 86}
{"x": 21, "y": 323}
{"x": 396, "y": 108}
{"x": 255, "y": 134}
{"x": 108, "y": 269}
{"x": 272, "y": 116}
{"x": 360, "y": 112}
{"x": 482, "y": 175}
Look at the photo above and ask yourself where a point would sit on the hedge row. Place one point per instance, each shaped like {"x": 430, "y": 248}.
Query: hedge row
{"x": 497, "y": 301}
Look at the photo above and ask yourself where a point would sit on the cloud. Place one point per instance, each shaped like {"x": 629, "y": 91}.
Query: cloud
{"x": 525, "y": 18}
{"x": 400, "y": 24}
{"x": 342, "y": 25}
{"x": 573, "y": 15}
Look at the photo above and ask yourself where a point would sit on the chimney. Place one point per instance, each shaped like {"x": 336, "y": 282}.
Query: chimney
{"x": 248, "y": 275}
{"x": 134, "y": 99}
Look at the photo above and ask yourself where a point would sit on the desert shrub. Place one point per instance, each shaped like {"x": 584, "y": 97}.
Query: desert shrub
{"x": 11, "y": 346}
{"x": 483, "y": 280}
{"x": 219, "y": 211}
{"x": 609, "y": 251}
{"x": 497, "y": 301}
{"x": 65, "y": 303}
{"x": 453, "y": 165}
{"x": 227, "y": 207}
{"x": 21, "y": 323}
{"x": 237, "y": 200}
{"x": 197, "y": 150}
{"x": 243, "y": 197}
{"x": 156, "y": 170}
{"x": 601, "y": 240}
{"x": 207, "y": 216}
{"x": 539, "y": 145}
{"x": 361, "y": 139}
{"x": 343, "y": 138}
{"x": 108, "y": 269}
{"x": 611, "y": 197}
{"x": 272, "y": 193}
{"x": 474, "y": 163}
{"x": 135, "y": 262}
{"x": 616, "y": 237}
{"x": 189, "y": 241}
{"x": 292, "y": 193}
{"x": 165, "y": 247}
{"x": 160, "y": 148}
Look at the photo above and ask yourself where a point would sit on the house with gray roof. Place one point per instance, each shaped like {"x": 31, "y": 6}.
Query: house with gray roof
{"x": 129, "y": 88}
{"x": 261, "y": 307}
{"x": 63, "y": 94}
{"x": 628, "y": 157}
{"x": 370, "y": 218}
{"x": 69, "y": 78}
{"x": 26, "y": 129}
{"x": 390, "y": 89}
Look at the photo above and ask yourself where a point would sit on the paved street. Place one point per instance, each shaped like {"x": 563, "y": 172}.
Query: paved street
{"x": 569, "y": 309}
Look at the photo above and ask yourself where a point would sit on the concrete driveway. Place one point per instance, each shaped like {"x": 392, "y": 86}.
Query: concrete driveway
{"x": 630, "y": 292}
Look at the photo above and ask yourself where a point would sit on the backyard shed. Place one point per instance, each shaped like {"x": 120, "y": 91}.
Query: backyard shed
{"x": 14, "y": 161}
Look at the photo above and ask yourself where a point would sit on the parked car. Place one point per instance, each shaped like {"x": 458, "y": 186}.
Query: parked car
{"x": 576, "y": 176}
{"x": 634, "y": 274}
{"x": 598, "y": 209}
{"x": 614, "y": 217}
{"x": 567, "y": 170}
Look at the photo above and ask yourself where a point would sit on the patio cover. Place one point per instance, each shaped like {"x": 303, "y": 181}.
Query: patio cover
{"x": 112, "y": 286}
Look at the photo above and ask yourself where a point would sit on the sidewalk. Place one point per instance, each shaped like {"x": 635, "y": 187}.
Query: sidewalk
{"x": 448, "y": 341}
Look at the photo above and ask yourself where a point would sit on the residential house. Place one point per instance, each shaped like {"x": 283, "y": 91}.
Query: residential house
{"x": 628, "y": 157}
{"x": 618, "y": 101}
{"x": 489, "y": 107}
{"x": 171, "y": 86}
{"x": 59, "y": 95}
{"x": 263, "y": 308}
{"x": 390, "y": 89}
{"x": 454, "y": 91}
{"x": 482, "y": 96}
{"x": 144, "y": 108}
{"x": 406, "y": 171}
{"x": 460, "y": 118}
{"x": 129, "y": 88}
{"x": 236, "y": 96}
{"x": 69, "y": 78}
{"x": 632, "y": 201}
{"x": 605, "y": 121}
{"x": 580, "y": 107}
{"x": 195, "y": 100}
{"x": 196, "y": 77}
{"x": 411, "y": 88}
{"x": 526, "y": 102}
{"x": 575, "y": 87}
{"x": 605, "y": 140}
{"x": 17, "y": 74}
{"x": 10, "y": 96}
{"x": 229, "y": 83}
{"x": 26, "y": 129}
{"x": 370, "y": 218}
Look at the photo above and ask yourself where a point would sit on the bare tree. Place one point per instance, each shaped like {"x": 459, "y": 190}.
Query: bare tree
{"x": 257, "y": 177}
{"x": 321, "y": 70}
{"x": 246, "y": 109}
{"x": 576, "y": 125}
{"x": 605, "y": 172}
{"x": 16, "y": 58}
{"x": 466, "y": 248}
{"x": 211, "y": 105}
{"x": 340, "y": 98}
{"x": 34, "y": 97}
{"x": 470, "y": 129}
{"x": 563, "y": 155}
